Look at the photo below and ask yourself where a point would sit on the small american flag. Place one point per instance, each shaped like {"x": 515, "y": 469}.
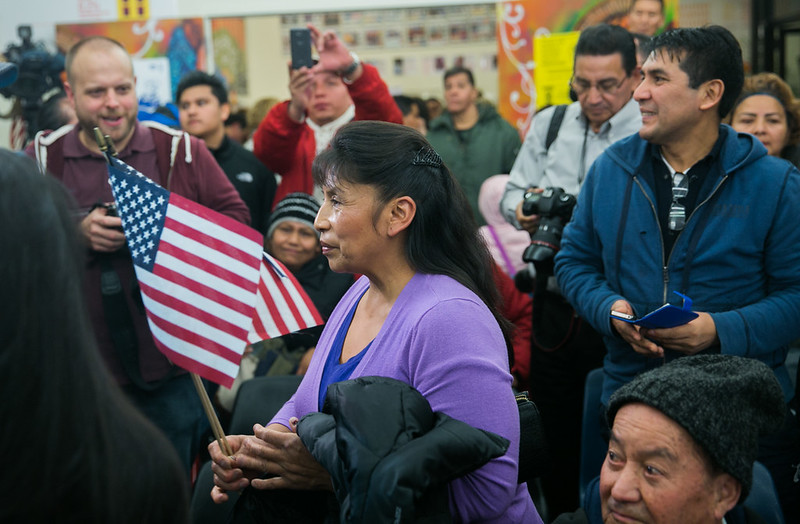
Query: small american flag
{"x": 281, "y": 307}
{"x": 207, "y": 286}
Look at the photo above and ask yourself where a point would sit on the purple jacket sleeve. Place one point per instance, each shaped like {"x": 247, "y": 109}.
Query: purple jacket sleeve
{"x": 473, "y": 386}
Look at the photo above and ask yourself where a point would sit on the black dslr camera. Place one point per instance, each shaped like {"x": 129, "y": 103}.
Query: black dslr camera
{"x": 555, "y": 206}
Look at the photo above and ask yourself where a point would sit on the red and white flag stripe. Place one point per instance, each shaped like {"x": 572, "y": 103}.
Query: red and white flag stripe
{"x": 207, "y": 286}
{"x": 282, "y": 305}
{"x": 200, "y": 293}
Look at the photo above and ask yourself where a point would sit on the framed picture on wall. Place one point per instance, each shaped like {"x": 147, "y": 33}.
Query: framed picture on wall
{"x": 350, "y": 38}
{"x": 374, "y": 38}
{"x": 394, "y": 38}
{"x": 458, "y": 32}
{"x": 437, "y": 34}
{"x": 417, "y": 35}
{"x": 331, "y": 19}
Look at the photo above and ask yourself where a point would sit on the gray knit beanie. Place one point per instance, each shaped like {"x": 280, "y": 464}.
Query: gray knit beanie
{"x": 297, "y": 207}
{"x": 724, "y": 402}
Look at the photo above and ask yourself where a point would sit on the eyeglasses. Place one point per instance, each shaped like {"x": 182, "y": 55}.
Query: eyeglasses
{"x": 677, "y": 211}
{"x": 608, "y": 86}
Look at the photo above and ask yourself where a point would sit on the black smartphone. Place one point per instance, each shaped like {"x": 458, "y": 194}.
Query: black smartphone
{"x": 111, "y": 211}
{"x": 300, "y": 40}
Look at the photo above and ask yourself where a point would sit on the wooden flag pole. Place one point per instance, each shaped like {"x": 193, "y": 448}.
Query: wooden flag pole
{"x": 216, "y": 427}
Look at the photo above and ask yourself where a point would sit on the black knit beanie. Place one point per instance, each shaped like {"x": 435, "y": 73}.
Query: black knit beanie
{"x": 724, "y": 402}
{"x": 297, "y": 207}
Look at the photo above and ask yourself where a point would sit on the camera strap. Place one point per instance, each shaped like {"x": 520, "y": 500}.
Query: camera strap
{"x": 555, "y": 125}
{"x": 582, "y": 168}
{"x": 554, "y": 321}
{"x": 499, "y": 245}
{"x": 121, "y": 328}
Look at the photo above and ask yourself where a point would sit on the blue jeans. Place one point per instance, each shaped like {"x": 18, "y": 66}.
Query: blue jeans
{"x": 176, "y": 410}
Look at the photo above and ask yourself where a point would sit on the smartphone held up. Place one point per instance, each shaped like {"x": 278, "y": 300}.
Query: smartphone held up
{"x": 300, "y": 42}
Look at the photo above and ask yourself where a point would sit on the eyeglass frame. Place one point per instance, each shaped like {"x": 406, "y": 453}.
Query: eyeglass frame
{"x": 611, "y": 90}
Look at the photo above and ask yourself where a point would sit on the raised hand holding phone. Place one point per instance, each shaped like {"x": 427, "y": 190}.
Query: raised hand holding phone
{"x": 300, "y": 43}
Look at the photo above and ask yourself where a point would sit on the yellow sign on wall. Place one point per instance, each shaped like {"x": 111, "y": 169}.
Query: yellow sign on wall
{"x": 553, "y": 55}
{"x": 133, "y": 9}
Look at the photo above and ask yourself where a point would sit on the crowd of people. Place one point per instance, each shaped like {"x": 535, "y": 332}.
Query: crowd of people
{"x": 408, "y": 226}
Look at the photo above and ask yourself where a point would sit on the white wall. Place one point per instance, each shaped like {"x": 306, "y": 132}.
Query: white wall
{"x": 266, "y": 63}
{"x": 268, "y": 73}
{"x": 266, "y": 66}
{"x": 263, "y": 7}
{"x": 43, "y": 14}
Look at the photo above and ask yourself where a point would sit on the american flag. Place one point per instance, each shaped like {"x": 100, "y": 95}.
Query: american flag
{"x": 207, "y": 286}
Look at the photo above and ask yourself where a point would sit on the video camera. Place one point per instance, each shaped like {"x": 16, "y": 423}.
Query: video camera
{"x": 39, "y": 72}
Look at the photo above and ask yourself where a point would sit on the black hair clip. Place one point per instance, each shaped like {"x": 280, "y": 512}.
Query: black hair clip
{"x": 426, "y": 156}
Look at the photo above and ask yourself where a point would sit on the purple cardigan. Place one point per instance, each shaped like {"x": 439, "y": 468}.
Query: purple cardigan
{"x": 441, "y": 338}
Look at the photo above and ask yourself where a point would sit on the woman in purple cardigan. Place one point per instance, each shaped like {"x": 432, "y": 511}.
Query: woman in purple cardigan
{"x": 424, "y": 312}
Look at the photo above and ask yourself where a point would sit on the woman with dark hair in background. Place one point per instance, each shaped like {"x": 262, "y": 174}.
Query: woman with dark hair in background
{"x": 76, "y": 449}
{"x": 424, "y": 312}
{"x": 415, "y": 112}
{"x": 768, "y": 109}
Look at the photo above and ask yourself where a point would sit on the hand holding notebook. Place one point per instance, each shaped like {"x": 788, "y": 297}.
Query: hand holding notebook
{"x": 667, "y": 316}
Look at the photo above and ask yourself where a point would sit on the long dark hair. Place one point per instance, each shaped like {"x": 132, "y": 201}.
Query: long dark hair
{"x": 397, "y": 161}
{"x": 76, "y": 449}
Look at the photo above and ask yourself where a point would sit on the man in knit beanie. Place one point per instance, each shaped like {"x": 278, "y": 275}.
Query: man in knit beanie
{"x": 292, "y": 239}
{"x": 296, "y": 207}
{"x": 683, "y": 441}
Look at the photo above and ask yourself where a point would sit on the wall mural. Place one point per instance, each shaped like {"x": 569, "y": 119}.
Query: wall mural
{"x": 520, "y": 22}
{"x": 230, "y": 53}
{"x": 172, "y": 47}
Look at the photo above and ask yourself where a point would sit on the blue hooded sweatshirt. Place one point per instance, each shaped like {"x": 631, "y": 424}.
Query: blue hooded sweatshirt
{"x": 738, "y": 257}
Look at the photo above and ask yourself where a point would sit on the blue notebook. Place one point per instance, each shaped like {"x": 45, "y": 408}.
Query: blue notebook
{"x": 666, "y": 316}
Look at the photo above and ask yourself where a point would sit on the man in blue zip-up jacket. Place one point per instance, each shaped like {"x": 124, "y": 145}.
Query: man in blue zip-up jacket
{"x": 689, "y": 205}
